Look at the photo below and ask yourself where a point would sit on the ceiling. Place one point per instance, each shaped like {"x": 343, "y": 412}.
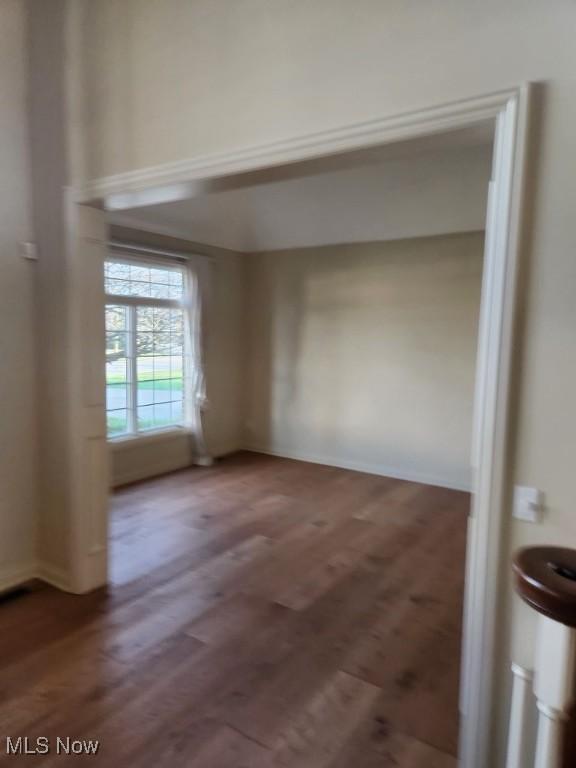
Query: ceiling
{"x": 409, "y": 189}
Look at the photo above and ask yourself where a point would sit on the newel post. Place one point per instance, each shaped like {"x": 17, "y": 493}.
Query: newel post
{"x": 546, "y": 581}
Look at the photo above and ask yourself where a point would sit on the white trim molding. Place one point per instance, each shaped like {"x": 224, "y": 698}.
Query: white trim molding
{"x": 14, "y": 576}
{"x": 382, "y": 470}
{"x": 486, "y": 573}
{"x": 174, "y": 181}
{"x": 51, "y": 574}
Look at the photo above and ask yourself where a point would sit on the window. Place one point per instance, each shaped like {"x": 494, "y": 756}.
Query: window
{"x": 145, "y": 345}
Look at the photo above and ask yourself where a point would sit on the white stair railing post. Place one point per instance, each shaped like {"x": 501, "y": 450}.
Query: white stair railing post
{"x": 554, "y": 688}
{"x": 546, "y": 580}
{"x": 517, "y": 756}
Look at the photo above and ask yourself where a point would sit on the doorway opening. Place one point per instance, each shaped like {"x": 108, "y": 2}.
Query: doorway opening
{"x": 507, "y": 112}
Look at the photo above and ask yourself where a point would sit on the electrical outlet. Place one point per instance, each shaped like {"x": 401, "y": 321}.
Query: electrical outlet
{"x": 528, "y": 504}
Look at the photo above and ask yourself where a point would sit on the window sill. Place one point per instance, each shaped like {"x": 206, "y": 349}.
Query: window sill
{"x": 154, "y": 436}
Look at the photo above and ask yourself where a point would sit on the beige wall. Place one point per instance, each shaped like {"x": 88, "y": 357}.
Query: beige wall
{"x": 49, "y": 177}
{"x": 175, "y": 79}
{"x": 363, "y": 355}
{"x": 131, "y": 461}
{"x": 17, "y": 321}
{"x": 224, "y": 368}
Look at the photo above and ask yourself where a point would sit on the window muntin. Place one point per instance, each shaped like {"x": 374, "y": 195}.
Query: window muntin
{"x": 145, "y": 348}
{"x": 117, "y": 369}
{"x": 123, "y": 278}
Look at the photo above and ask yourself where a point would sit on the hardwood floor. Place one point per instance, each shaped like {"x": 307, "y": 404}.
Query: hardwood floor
{"x": 262, "y": 613}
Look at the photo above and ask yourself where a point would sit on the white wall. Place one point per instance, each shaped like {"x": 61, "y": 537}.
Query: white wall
{"x": 363, "y": 355}
{"x": 174, "y": 79}
{"x": 224, "y": 368}
{"x": 18, "y": 434}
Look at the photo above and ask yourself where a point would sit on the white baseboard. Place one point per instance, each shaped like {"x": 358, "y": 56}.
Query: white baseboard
{"x": 371, "y": 469}
{"x": 13, "y": 576}
{"x": 20, "y": 574}
{"x": 53, "y": 575}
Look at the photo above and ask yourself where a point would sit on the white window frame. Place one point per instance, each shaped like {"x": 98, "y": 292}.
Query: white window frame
{"x": 132, "y": 303}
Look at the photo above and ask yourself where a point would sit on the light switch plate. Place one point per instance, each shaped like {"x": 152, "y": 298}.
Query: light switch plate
{"x": 528, "y": 504}
{"x": 28, "y": 250}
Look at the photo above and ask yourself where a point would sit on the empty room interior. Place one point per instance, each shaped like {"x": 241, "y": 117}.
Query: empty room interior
{"x": 287, "y": 422}
{"x": 326, "y": 542}
{"x": 290, "y": 366}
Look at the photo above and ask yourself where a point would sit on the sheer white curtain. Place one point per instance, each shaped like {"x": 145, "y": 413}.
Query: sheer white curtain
{"x": 198, "y": 278}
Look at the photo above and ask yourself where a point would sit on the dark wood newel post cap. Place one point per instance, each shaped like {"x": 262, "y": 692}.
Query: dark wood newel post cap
{"x": 545, "y": 578}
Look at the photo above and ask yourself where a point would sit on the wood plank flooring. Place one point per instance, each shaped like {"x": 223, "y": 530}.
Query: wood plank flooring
{"x": 261, "y": 613}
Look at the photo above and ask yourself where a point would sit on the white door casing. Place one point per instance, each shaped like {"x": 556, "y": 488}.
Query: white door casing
{"x": 88, "y": 472}
{"x": 486, "y": 573}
